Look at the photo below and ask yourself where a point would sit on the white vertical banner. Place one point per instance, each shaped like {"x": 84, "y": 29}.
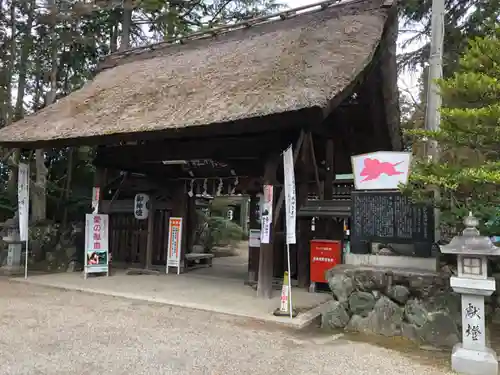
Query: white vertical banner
{"x": 96, "y": 194}
{"x": 96, "y": 244}
{"x": 290, "y": 198}
{"x": 266, "y": 216}
{"x": 174, "y": 244}
{"x": 23, "y": 199}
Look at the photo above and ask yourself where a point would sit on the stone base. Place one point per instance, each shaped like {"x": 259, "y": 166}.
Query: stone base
{"x": 471, "y": 362}
{"x": 422, "y": 264}
{"x": 11, "y": 270}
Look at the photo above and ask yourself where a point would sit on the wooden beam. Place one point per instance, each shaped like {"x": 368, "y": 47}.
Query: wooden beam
{"x": 265, "y": 281}
{"x": 240, "y": 128}
{"x": 221, "y": 149}
{"x": 148, "y": 261}
{"x": 253, "y": 252}
{"x": 249, "y": 168}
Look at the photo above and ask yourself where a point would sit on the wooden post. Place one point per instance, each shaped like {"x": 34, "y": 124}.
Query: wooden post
{"x": 148, "y": 261}
{"x": 253, "y": 252}
{"x": 265, "y": 281}
{"x": 328, "y": 186}
{"x": 330, "y": 169}
{"x": 304, "y": 224}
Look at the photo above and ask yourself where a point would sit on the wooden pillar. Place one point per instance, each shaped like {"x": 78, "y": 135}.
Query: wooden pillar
{"x": 329, "y": 223}
{"x": 304, "y": 224}
{"x": 330, "y": 169}
{"x": 191, "y": 223}
{"x": 253, "y": 252}
{"x": 266, "y": 254}
{"x": 148, "y": 261}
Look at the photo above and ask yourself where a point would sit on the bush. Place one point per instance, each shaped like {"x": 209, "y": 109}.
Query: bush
{"x": 218, "y": 231}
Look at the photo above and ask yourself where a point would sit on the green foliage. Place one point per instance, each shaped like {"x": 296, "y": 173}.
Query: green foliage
{"x": 221, "y": 232}
{"x": 467, "y": 174}
{"x": 74, "y": 36}
{"x": 464, "y": 20}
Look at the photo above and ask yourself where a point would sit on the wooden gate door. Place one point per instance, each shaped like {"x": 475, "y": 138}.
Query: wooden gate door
{"x": 160, "y": 237}
{"x": 128, "y": 238}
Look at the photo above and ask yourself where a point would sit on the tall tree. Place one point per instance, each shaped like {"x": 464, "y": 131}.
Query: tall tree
{"x": 468, "y": 173}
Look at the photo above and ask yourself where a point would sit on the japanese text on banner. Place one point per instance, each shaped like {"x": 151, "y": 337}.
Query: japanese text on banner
{"x": 23, "y": 200}
{"x": 96, "y": 243}
{"x": 290, "y": 199}
{"x": 267, "y": 214}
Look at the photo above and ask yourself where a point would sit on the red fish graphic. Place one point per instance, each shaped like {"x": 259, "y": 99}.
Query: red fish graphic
{"x": 375, "y": 168}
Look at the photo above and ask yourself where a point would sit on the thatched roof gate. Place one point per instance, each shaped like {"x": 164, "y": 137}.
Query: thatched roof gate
{"x": 231, "y": 80}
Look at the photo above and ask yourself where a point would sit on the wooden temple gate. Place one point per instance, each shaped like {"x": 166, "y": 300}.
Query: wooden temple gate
{"x": 222, "y": 105}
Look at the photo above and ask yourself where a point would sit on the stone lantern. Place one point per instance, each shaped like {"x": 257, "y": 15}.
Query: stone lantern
{"x": 10, "y": 235}
{"x": 472, "y": 356}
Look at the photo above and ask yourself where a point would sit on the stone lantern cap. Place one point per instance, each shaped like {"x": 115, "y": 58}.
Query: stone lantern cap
{"x": 471, "y": 242}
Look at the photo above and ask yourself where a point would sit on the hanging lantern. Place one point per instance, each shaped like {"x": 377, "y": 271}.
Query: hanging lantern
{"x": 141, "y": 206}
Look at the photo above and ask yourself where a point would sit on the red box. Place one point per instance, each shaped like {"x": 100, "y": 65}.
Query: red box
{"x": 325, "y": 254}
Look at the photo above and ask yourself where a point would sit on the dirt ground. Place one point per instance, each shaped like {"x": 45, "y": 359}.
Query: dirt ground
{"x": 49, "y": 331}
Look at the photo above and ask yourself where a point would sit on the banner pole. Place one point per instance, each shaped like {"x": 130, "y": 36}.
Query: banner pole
{"x": 26, "y": 261}
{"x": 289, "y": 281}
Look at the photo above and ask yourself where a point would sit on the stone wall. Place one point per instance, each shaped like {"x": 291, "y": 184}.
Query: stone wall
{"x": 418, "y": 305}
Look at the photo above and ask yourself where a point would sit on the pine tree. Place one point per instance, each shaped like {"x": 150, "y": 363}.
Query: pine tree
{"x": 467, "y": 173}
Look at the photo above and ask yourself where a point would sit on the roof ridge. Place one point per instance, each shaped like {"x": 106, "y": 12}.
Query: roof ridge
{"x": 212, "y": 32}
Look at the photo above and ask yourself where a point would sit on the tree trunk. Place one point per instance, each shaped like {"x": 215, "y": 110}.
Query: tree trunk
{"x": 39, "y": 196}
{"x": 67, "y": 189}
{"x": 126, "y": 25}
{"x": 8, "y": 110}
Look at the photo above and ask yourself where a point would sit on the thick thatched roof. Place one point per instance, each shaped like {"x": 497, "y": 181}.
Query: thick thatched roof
{"x": 294, "y": 61}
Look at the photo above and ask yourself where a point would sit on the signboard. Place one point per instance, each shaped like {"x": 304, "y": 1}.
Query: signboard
{"x": 290, "y": 199}
{"x": 390, "y": 217}
{"x": 23, "y": 196}
{"x": 96, "y": 195}
{"x": 382, "y": 170}
{"x": 266, "y": 216}
{"x": 254, "y": 238}
{"x": 174, "y": 243}
{"x": 96, "y": 244}
{"x": 141, "y": 206}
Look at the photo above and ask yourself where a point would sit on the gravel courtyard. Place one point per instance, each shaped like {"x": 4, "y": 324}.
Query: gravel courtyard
{"x": 49, "y": 331}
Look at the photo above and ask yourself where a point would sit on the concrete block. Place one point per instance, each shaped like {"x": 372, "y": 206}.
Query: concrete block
{"x": 472, "y": 362}
{"x": 423, "y": 264}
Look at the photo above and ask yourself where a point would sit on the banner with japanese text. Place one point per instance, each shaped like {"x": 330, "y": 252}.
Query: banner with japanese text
{"x": 266, "y": 216}
{"x": 96, "y": 243}
{"x": 174, "y": 243}
{"x": 290, "y": 199}
{"x": 23, "y": 196}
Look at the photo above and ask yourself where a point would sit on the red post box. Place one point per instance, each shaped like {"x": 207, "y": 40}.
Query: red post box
{"x": 325, "y": 254}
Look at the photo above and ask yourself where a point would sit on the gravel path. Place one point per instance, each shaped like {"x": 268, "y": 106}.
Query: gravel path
{"x": 48, "y": 331}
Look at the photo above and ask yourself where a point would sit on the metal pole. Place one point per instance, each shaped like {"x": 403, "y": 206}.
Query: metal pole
{"x": 432, "y": 116}
{"x": 289, "y": 281}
